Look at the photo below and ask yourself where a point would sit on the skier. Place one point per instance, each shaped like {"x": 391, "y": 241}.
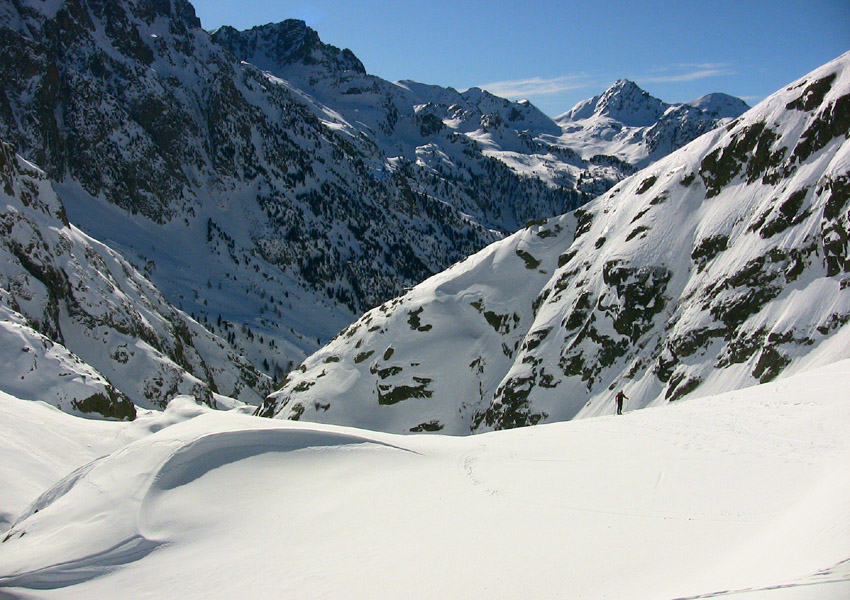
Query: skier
{"x": 620, "y": 397}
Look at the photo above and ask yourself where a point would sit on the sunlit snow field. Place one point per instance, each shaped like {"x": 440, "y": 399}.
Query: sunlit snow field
{"x": 744, "y": 494}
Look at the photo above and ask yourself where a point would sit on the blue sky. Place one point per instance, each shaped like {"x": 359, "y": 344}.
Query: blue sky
{"x": 557, "y": 53}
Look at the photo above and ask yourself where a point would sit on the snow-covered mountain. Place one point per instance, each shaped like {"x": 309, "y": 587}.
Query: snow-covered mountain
{"x": 423, "y": 124}
{"x": 220, "y": 181}
{"x": 83, "y": 330}
{"x": 274, "y": 201}
{"x": 419, "y": 122}
{"x": 722, "y": 265}
{"x": 626, "y": 122}
{"x": 624, "y": 101}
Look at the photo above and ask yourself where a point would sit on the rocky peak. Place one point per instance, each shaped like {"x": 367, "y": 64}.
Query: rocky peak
{"x": 629, "y": 104}
{"x": 289, "y": 42}
{"x": 176, "y": 11}
{"x": 624, "y": 101}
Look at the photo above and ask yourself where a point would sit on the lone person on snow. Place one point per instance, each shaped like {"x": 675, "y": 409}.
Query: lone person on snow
{"x": 619, "y": 398}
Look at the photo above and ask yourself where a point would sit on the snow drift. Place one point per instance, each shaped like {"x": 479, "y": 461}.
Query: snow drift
{"x": 740, "y": 493}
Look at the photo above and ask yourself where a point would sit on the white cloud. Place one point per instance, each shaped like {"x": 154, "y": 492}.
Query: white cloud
{"x": 692, "y": 76}
{"x": 534, "y": 86}
{"x": 688, "y": 72}
{"x": 704, "y": 66}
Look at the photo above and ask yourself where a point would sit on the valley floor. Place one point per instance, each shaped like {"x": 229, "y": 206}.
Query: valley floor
{"x": 742, "y": 495}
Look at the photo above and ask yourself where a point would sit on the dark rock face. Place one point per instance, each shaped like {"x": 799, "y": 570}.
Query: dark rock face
{"x": 285, "y": 43}
{"x": 113, "y": 405}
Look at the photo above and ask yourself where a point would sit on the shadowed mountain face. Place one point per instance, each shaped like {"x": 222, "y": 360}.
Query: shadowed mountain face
{"x": 83, "y": 330}
{"x": 131, "y": 105}
{"x": 290, "y": 42}
{"x": 723, "y": 265}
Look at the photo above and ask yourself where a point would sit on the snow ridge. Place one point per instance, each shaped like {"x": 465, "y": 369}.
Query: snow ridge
{"x": 748, "y": 490}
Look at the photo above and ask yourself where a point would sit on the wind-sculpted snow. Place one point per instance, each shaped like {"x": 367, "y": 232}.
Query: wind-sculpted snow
{"x": 213, "y": 451}
{"x": 139, "y": 479}
{"x": 740, "y": 492}
{"x": 85, "y": 331}
{"x": 722, "y": 265}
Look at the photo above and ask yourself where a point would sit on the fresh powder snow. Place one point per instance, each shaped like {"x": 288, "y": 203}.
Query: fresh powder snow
{"x": 744, "y": 494}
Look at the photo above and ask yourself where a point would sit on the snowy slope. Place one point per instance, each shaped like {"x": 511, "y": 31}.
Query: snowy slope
{"x": 722, "y": 265}
{"x": 85, "y": 331}
{"x": 626, "y": 122}
{"x": 36, "y": 367}
{"x": 743, "y": 494}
